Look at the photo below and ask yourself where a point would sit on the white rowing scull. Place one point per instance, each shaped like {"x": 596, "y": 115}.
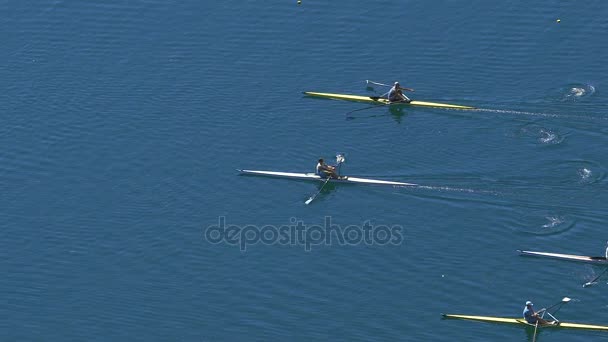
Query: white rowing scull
{"x": 569, "y": 257}
{"x": 315, "y": 177}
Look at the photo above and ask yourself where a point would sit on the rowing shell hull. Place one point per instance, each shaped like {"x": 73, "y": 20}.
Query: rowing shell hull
{"x": 569, "y": 257}
{"x": 315, "y": 177}
{"x": 520, "y": 321}
{"x": 369, "y": 99}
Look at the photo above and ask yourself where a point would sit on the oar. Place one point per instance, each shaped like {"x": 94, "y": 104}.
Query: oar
{"x": 315, "y": 195}
{"x": 377, "y": 83}
{"x": 535, "y": 329}
{"x": 594, "y": 281}
{"x": 561, "y": 302}
{"x": 386, "y": 85}
{"x": 375, "y": 98}
{"x": 360, "y": 109}
{"x": 367, "y": 116}
{"x": 537, "y": 322}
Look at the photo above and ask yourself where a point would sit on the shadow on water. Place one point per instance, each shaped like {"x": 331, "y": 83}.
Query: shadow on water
{"x": 397, "y": 112}
{"x": 323, "y": 190}
{"x": 328, "y": 188}
{"x": 354, "y": 115}
{"x": 530, "y": 333}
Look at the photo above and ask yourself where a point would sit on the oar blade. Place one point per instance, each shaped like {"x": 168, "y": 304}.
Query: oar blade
{"x": 594, "y": 280}
{"x": 315, "y": 195}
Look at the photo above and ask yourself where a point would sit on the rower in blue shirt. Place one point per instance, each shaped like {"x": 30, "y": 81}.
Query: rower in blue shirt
{"x": 396, "y": 94}
{"x": 532, "y": 317}
{"x": 325, "y": 171}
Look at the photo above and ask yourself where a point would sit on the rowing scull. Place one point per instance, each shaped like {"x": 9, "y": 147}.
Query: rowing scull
{"x": 569, "y": 257}
{"x": 383, "y": 101}
{"x": 315, "y": 177}
{"x": 521, "y": 321}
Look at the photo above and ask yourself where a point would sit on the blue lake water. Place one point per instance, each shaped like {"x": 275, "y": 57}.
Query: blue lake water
{"x": 124, "y": 122}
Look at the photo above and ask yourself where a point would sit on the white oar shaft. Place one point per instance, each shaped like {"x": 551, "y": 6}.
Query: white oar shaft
{"x": 378, "y": 83}
{"x": 561, "y": 302}
{"x": 312, "y": 198}
{"x": 552, "y": 317}
{"x": 594, "y": 281}
{"x": 386, "y": 85}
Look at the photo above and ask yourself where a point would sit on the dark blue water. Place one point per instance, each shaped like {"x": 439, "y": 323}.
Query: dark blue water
{"x": 123, "y": 124}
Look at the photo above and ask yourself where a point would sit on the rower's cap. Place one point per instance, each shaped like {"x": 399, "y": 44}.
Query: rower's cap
{"x": 529, "y": 303}
{"x": 397, "y": 83}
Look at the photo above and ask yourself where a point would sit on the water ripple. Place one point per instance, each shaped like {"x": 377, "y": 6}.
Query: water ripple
{"x": 550, "y": 225}
{"x": 542, "y": 135}
{"x": 585, "y": 172}
{"x": 573, "y": 92}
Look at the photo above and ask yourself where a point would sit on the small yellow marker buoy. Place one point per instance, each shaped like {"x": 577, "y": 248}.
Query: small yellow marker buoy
{"x": 558, "y": 20}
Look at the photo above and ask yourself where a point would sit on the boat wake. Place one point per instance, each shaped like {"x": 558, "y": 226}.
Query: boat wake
{"x": 554, "y": 225}
{"x": 538, "y": 114}
{"x": 452, "y": 189}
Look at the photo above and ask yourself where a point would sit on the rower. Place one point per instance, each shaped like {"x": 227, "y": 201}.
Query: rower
{"x": 532, "y": 317}
{"x": 326, "y": 171}
{"x": 396, "y": 94}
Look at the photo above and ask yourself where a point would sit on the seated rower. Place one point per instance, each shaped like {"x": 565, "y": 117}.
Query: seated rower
{"x": 396, "y": 94}
{"x": 532, "y": 317}
{"x": 325, "y": 171}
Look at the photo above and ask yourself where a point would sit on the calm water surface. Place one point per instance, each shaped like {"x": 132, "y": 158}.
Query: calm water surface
{"x": 123, "y": 124}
